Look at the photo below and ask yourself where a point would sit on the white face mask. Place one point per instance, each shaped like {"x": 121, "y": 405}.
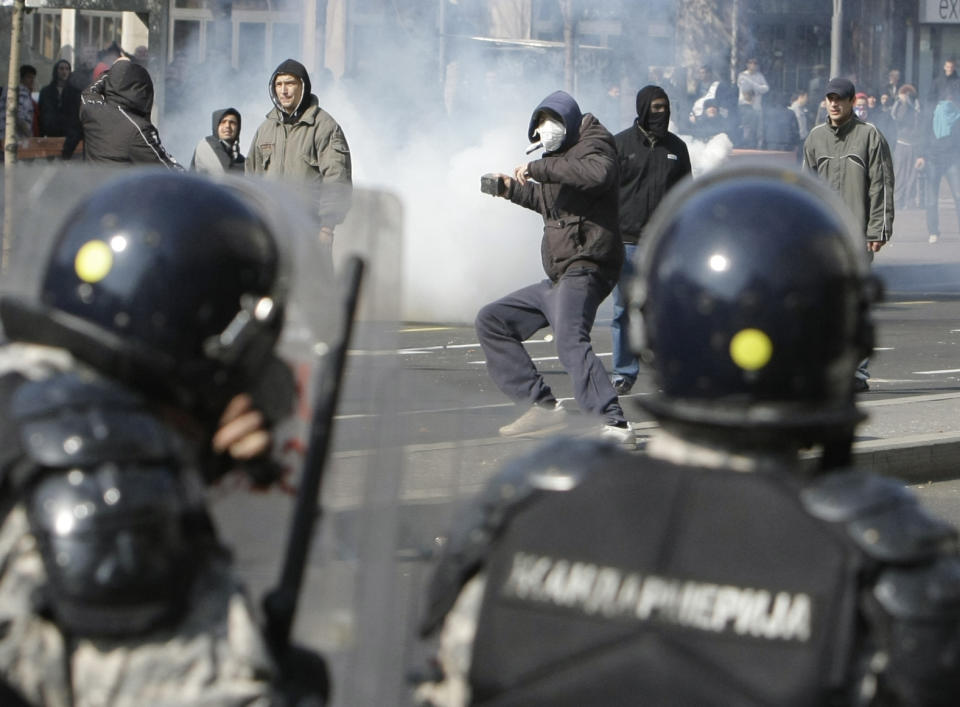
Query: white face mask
{"x": 551, "y": 134}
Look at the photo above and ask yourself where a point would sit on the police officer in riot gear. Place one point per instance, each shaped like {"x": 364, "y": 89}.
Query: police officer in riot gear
{"x": 149, "y": 349}
{"x": 721, "y": 568}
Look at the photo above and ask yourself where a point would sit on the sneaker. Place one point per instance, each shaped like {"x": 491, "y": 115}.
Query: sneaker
{"x": 537, "y": 420}
{"x": 622, "y": 385}
{"x": 623, "y": 436}
{"x": 860, "y": 385}
{"x": 933, "y": 238}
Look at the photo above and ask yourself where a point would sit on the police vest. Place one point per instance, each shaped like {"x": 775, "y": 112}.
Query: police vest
{"x": 655, "y": 584}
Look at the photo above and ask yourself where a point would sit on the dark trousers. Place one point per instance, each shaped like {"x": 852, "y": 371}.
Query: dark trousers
{"x": 569, "y": 307}
{"x": 951, "y": 172}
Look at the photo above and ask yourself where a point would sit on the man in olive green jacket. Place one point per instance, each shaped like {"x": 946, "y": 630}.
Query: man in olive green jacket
{"x": 301, "y": 142}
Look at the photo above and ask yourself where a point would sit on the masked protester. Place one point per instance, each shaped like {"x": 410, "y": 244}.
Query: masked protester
{"x": 720, "y": 569}
{"x": 652, "y": 161}
{"x": 574, "y": 187}
{"x": 302, "y": 143}
{"x": 126, "y": 384}
{"x": 219, "y": 152}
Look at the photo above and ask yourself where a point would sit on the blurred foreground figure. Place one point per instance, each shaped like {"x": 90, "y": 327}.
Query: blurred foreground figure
{"x": 721, "y": 569}
{"x": 125, "y": 386}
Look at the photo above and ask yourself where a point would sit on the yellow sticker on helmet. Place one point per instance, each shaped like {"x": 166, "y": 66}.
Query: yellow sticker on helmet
{"x": 94, "y": 260}
{"x": 751, "y": 349}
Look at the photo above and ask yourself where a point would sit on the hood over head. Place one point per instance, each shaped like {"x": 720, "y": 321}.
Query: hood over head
{"x": 218, "y": 115}
{"x": 294, "y": 68}
{"x": 654, "y": 123}
{"x": 129, "y": 85}
{"x": 559, "y": 104}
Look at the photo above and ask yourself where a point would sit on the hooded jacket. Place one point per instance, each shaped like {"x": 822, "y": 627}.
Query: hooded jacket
{"x": 212, "y": 155}
{"x": 305, "y": 145}
{"x": 575, "y": 191}
{"x": 649, "y": 166}
{"x": 115, "y": 115}
{"x": 854, "y": 159}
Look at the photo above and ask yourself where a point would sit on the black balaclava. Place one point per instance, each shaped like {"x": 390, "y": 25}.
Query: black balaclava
{"x": 654, "y": 124}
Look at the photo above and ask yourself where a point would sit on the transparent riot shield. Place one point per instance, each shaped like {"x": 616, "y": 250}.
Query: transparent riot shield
{"x": 413, "y": 437}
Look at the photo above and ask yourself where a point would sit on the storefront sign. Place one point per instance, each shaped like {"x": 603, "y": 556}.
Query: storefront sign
{"x": 940, "y": 11}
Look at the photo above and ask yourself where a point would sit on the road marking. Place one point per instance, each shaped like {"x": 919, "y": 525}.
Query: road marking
{"x": 476, "y": 345}
{"x": 541, "y": 358}
{"x": 927, "y": 398}
{"x": 933, "y": 373}
{"x": 413, "y": 330}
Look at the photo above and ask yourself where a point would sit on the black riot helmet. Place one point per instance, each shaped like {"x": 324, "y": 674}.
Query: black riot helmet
{"x": 752, "y": 304}
{"x": 169, "y": 282}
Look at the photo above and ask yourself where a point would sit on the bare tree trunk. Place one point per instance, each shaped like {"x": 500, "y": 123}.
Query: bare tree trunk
{"x": 10, "y": 143}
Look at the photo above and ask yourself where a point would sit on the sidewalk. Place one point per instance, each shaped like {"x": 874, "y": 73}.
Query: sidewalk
{"x": 916, "y": 437}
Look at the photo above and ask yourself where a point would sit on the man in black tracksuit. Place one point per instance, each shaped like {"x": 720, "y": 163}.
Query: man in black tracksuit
{"x": 574, "y": 187}
{"x": 115, "y": 114}
{"x": 652, "y": 160}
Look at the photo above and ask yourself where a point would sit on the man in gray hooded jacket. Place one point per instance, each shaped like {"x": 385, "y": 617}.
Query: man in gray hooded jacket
{"x": 300, "y": 141}
{"x": 219, "y": 152}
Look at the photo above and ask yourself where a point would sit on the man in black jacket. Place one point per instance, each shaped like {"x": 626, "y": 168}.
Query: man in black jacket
{"x": 574, "y": 187}
{"x": 652, "y": 160}
{"x": 60, "y": 109}
{"x": 115, "y": 115}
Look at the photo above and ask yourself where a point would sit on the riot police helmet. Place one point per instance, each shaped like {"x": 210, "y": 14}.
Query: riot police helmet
{"x": 170, "y": 282}
{"x": 752, "y": 304}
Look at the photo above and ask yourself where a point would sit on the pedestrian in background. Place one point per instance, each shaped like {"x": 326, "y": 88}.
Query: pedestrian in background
{"x": 940, "y": 156}
{"x": 906, "y": 115}
{"x": 27, "y": 117}
{"x": 854, "y": 158}
{"x": 60, "y": 109}
{"x": 219, "y": 152}
{"x": 300, "y": 142}
{"x": 652, "y": 160}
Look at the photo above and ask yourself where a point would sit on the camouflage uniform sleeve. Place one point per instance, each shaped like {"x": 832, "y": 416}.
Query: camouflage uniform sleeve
{"x": 455, "y": 652}
{"x": 32, "y": 650}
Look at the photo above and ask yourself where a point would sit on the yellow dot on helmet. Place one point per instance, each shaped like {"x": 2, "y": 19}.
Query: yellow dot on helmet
{"x": 94, "y": 260}
{"x": 751, "y": 349}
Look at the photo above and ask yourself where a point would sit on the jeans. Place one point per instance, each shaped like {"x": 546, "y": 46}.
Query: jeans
{"x": 569, "y": 306}
{"x": 625, "y": 364}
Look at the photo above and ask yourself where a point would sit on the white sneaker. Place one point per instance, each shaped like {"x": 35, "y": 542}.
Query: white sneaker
{"x": 623, "y": 436}
{"x": 538, "y": 420}
{"x": 933, "y": 238}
